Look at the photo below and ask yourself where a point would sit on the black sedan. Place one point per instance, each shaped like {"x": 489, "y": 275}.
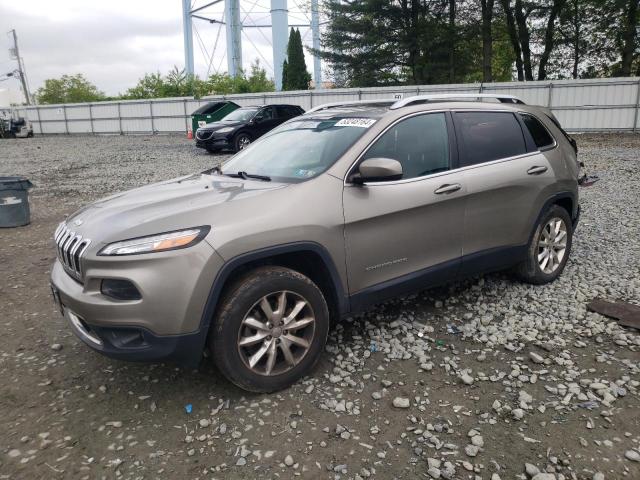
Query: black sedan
{"x": 241, "y": 127}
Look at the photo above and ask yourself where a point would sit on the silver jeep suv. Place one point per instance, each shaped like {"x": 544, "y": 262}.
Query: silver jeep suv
{"x": 331, "y": 212}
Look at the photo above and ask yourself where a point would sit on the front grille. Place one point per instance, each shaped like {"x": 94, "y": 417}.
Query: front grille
{"x": 70, "y": 248}
{"x": 202, "y": 134}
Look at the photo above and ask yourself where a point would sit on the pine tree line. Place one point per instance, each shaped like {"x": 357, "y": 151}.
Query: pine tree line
{"x": 387, "y": 42}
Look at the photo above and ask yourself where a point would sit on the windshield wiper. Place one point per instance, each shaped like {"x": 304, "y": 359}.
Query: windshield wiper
{"x": 245, "y": 176}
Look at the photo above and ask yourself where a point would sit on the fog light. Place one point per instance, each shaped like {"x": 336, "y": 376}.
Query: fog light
{"x": 119, "y": 289}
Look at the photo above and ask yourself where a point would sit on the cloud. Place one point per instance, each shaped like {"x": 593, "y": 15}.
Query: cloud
{"x": 115, "y": 43}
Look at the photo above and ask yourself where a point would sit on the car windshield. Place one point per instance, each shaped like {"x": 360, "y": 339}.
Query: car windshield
{"x": 241, "y": 115}
{"x": 299, "y": 150}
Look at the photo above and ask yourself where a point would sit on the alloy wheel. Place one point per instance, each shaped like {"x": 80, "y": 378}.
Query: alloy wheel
{"x": 276, "y": 333}
{"x": 243, "y": 142}
{"x": 552, "y": 245}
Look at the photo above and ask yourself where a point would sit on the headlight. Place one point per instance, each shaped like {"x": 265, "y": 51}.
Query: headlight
{"x": 157, "y": 243}
{"x": 225, "y": 130}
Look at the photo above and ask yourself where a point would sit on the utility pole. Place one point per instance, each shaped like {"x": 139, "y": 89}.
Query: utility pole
{"x": 315, "y": 32}
{"x": 187, "y": 29}
{"x": 15, "y": 53}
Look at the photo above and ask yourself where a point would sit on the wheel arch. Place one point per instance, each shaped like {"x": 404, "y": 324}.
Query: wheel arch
{"x": 565, "y": 200}
{"x": 309, "y": 258}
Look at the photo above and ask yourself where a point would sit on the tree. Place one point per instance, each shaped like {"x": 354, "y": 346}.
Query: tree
{"x": 294, "y": 73}
{"x": 487, "y": 40}
{"x": 629, "y": 37}
{"x": 527, "y": 19}
{"x": 377, "y": 42}
{"x": 68, "y": 89}
{"x": 177, "y": 84}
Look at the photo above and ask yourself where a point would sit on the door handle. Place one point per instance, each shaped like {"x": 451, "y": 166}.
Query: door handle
{"x": 536, "y": 170}
{"x": 448, "y": 188}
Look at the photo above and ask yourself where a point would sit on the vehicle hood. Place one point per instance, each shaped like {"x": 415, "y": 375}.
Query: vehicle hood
{"x": 175, "y": 204}
{"x": 223, "y": 124}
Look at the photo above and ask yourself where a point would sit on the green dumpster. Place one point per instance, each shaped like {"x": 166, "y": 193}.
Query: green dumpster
{"x": 211, "y": 112}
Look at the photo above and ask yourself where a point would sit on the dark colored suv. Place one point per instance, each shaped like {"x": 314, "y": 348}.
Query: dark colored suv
{"x": 241, "y": 127}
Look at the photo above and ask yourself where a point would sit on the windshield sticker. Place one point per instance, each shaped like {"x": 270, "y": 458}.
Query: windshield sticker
{"x": 356, "y": 122}
{"x": 302, "y": 173}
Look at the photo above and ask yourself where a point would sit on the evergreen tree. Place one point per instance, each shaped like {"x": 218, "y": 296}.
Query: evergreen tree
{"x": 294, "y": 71}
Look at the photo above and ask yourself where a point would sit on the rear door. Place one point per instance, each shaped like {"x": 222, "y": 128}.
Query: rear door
{"x": 404, "y": 234}
{"x": 507, "y": 179}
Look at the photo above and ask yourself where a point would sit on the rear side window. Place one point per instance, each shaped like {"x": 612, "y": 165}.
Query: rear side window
{"x": 419, "y": 143}
{"x": 287, "y": 111}
{"x": 541, "y": 137}
{"x": 488, "y": 136}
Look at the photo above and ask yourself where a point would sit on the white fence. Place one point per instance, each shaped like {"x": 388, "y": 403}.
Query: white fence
{"x": 581, "y": 105}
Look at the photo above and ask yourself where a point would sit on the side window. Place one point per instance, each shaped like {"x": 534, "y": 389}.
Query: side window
{"x": 283, "y": 112}
{"x": 488, "y": 136}
{"x": 294, "y": 111}
{"x": 541, "y": 136}
{"x": 420, "y": 144}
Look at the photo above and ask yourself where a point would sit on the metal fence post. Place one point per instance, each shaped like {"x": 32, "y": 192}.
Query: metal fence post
{"x": 153, "y": 127}
{"x": 550, "y": 95}
{"x": 66, "y": 124}
{"x": 119, "y": 119}
{"x": 186, "y": 117}
{"x": 39, "y": 122}
{"x": 91, "y": 118}
{"x": 635, "y": 116}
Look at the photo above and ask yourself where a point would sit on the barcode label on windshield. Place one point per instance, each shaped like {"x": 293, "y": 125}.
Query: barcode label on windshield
{"x": 356, "y": 122}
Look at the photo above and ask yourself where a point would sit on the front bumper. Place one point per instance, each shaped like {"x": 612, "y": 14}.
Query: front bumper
{"x": 212, "y": 143}
{"x": 137, "y": 344}
{"x": 166, "y": 323}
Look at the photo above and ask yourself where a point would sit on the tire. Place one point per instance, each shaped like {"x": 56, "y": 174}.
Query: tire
{"x": 539, "y": 272}
{"x": 242, "y": 140}
{"x": 243, "y": 304}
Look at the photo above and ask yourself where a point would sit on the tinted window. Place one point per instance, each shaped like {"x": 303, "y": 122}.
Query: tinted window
{"x": 266, "y": 113}
{"x": 419, "y": 143}
{"x": 488, "y": 136}
{"x": 287, "y": 111}
{"x": 541, "y": 137}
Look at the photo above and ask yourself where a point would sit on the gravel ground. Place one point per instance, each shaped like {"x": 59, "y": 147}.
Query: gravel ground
{"x": 484, "y": 379}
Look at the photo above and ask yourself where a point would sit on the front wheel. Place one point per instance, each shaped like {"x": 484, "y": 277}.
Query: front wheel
{"x": 270, "y": 329}
{"x": 241, "y": 141}
{"x": 549, "y": 248}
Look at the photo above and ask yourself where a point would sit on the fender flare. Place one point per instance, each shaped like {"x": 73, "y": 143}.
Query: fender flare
{"x": 550, "y": 201}
{"x": 296, "y": 247}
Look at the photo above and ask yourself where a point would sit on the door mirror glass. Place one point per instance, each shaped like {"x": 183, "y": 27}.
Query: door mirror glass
{"x": 378, "y": 170}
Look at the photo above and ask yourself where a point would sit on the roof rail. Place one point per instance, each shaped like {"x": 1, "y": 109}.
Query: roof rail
{"x": 326, "y": 106}
{"x": 452, "y": 96}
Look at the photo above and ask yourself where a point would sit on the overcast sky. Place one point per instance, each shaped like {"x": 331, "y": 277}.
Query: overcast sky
{"x": 115, "y": 42}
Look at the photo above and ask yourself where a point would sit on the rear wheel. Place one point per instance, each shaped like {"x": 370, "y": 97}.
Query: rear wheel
{"x": 548, "y": 249}
{"x": 241, "y": 141}
{"x": 270, "y": 329}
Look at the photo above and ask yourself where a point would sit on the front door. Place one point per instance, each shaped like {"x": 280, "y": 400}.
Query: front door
{"x": 404, "y": 234}
{"x": 265, "y": 120}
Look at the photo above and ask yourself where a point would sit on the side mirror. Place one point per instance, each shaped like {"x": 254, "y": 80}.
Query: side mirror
{"x": 378, "y": 170}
